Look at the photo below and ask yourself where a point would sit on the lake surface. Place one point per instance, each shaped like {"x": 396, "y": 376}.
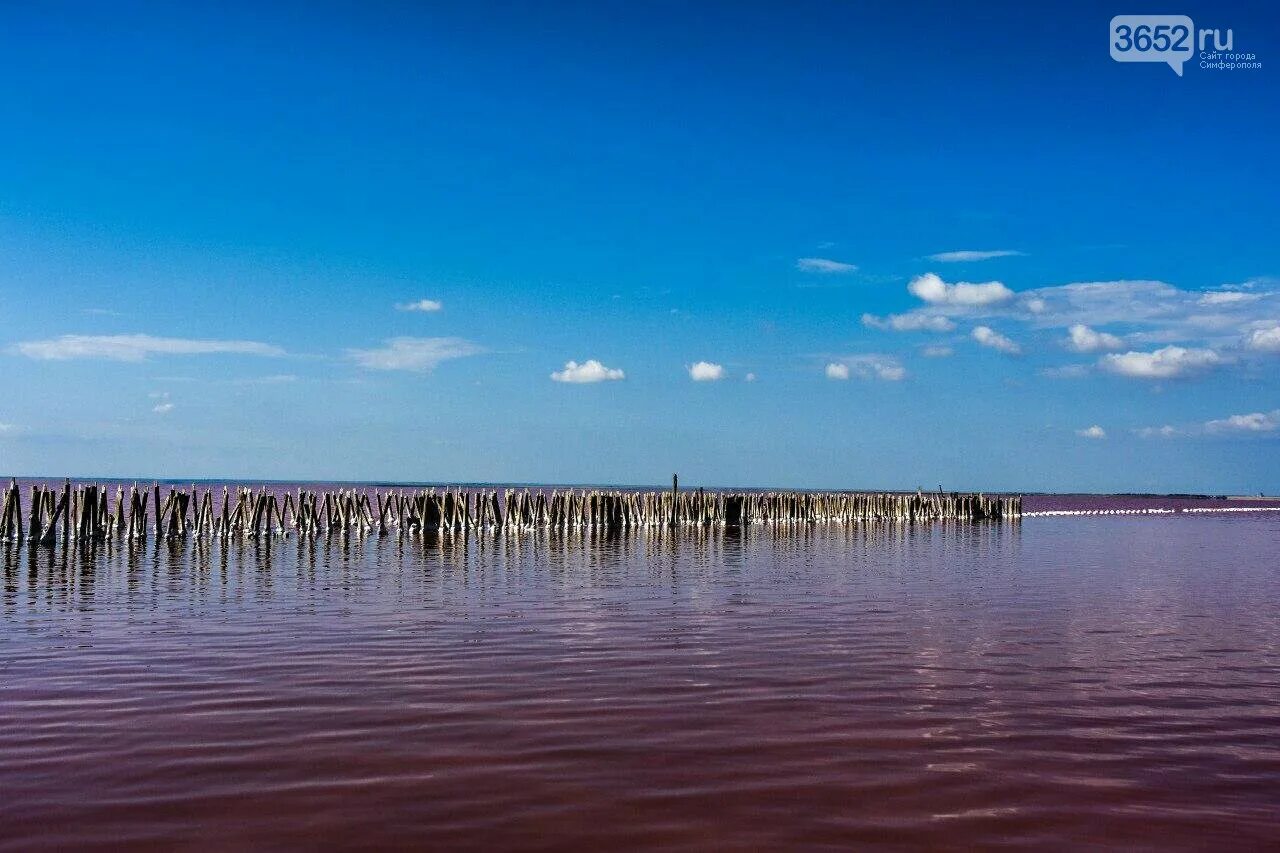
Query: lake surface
{"x": 1109, "y": 680}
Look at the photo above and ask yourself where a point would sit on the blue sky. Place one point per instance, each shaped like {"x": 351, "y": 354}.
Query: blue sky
{"x": 213, "y": 222}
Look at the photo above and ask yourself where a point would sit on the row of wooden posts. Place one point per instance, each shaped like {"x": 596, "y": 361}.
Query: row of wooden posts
{"x": 89, "y": 512}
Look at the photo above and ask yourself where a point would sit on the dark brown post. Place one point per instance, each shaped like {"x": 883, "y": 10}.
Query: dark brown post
{"x": 675, "y": 489}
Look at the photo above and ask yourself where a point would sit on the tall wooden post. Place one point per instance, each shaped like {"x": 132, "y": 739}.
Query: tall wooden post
{"x": 675, "y": 488}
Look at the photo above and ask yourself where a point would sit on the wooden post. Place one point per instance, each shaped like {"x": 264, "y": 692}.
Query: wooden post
{"x": 675, "y": 491}
{"x": 67, "y": 512}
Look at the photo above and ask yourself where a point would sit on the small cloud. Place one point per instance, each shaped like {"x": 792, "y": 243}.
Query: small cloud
{"x": 1093, "y": 432}
{"x": 163, "y": 406}
{"x": 1227, "y": 297}
{"x": 135, "y": 347}
{"x": 100, "y": 312}
{"x": 413, "y": 354}
{"x": 936, "y": 351}
{"x": 991, "y": 339}
{"x": 1066, "y": 371}
{"x": 1035, "y": 305}
{"x": 425, "y": 305}
{"x": 274, "y": 379}
{"x": 706, "y": 371}
{"x": 1083, "y": 339}
{"x": 750, "y": 377}
{"x": 1250, "y": 284}
{"x": 1257, "y": 422}
{"x": 1264, "y": 338}
{"x": 971, "y": 255}
{"x": 587, "y": 372}
{"x": 1169, "y": 362}
{"x": 1165, "y": 431}
{"x": 911, "y": 322}
{"x": 8, "y": 429}
{"x": 932, "y": 289}
{"x": 885, "y": 368}
{"x": 824, "y": 265}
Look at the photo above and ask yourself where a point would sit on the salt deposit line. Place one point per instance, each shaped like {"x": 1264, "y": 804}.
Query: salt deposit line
{"x": 1150, "y": 511}
{"x": 87, "y": 513}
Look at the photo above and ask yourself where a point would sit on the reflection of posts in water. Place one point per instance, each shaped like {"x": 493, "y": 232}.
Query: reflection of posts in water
{"x": 571, "y": 556}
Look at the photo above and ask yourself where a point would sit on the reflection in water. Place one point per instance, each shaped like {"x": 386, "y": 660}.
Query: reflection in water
{"x": 1079, "y": 681}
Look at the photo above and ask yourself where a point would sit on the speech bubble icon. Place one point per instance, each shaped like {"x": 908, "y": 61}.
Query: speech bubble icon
{"x": 1170, "y": 39}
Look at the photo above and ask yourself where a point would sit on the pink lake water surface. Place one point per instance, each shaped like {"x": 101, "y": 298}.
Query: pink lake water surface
{"x": 1110, "y": 681}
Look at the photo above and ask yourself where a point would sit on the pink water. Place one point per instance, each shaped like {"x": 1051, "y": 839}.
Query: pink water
{"x": 1110, "y": 681}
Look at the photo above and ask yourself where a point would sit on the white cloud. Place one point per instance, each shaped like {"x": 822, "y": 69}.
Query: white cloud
{"x": 824, "y": 265}
{"x": 971, "y": 255}
{"x": 1066, "y": 371}
{"x": 8, "y": 428}
{"x": 1169, "y": 362}
{"x": 910, "y": 322}
{"x": 1172, "y": 315}
{"x": 1251, "y": 423}
{"x": 874, "y": 366}
{"x": 1260, "y": 281}
{"x": 162, "y": 406}
{"x": 427, "y": 305}
{"x": 135, "y": 347}
{"x": 274, "y": 379}
{"x": 1103, "y": 303}
{"x": 750, "y": 377}
{"x": 990, "y": 338}
{"x": 706, "y": 371}
{"x": 1227, "y": 297}
{"x": 1107, "y": 317}
{"x": 1165, "y": 431}
{"x": 587, "y": 372}
{"x": 1255, "y": 423}
{"x": 936, "y": 351}
{"x": 932, "y": 289}
{"x": 1142, "y": 313}
{"x": 1083, "y": 339}
{"x": 1265, "y": 337}
{"x": 414, "y": 354}
{"x": 1094, "y": 432}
